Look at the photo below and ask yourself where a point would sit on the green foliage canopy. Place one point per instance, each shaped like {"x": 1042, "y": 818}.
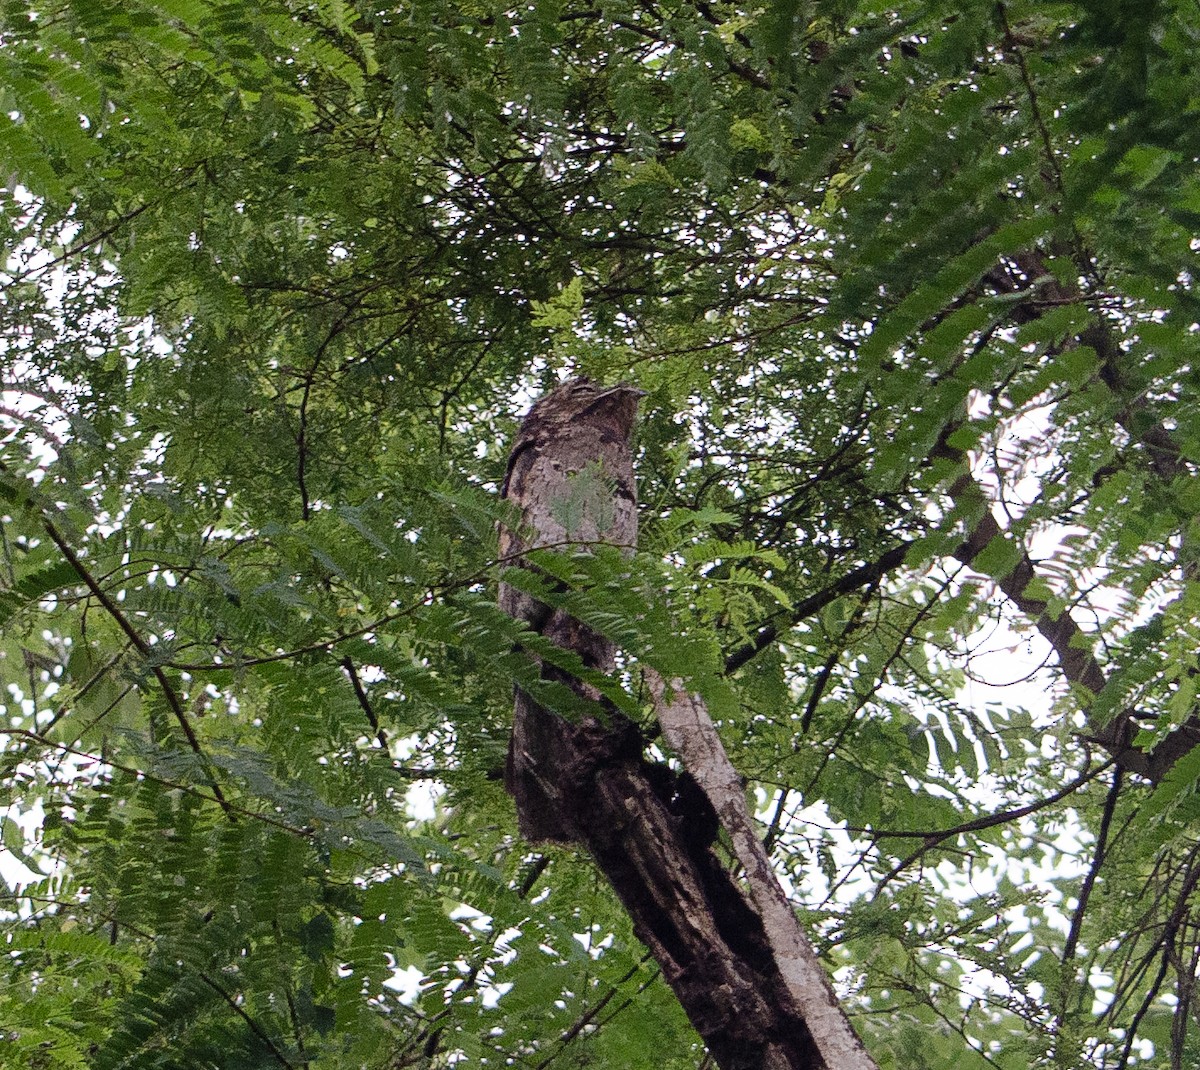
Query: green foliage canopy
{"x": 910, "y": 290}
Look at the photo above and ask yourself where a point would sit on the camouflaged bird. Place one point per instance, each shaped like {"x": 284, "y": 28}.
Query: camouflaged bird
{"x": 571, "y": 474}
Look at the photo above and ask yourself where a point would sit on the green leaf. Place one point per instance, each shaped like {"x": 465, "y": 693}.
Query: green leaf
{"x": 562, "y": 310}
{"x": 999, "y": 557}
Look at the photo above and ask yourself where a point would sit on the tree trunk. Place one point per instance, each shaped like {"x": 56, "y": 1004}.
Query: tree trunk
{"x": 741, "y": 967}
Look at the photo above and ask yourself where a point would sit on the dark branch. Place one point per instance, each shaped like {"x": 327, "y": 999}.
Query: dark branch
{"x": 869, "y": 573}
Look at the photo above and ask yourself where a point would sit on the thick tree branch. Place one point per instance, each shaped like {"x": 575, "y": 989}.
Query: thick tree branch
{"x": 1070, "y": 643}
{"x": 739, "y": 965}
{"x": 689, "y": 730}
{"x": 1134, "y": 416}
{"x": 1165, "y": 460}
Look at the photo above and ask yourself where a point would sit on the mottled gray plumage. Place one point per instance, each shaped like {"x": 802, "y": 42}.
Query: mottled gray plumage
{"x": 571, "y": 473}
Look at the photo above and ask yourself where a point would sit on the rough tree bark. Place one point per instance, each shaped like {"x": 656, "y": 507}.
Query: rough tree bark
{"x": 740, "y": 965}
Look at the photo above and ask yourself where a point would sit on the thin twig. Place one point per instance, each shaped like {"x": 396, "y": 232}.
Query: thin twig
{"x": 871, "y": 572}
{"x": 143, "y": 648}
{"x": 363, "y": 701}
{"x": 934, "y": 838}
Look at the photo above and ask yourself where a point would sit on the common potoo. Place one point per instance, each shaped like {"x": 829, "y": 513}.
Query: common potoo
{"x": 571, "y": 473}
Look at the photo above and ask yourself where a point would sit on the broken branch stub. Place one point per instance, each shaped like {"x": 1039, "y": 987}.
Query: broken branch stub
{"x": 738, "y": 962}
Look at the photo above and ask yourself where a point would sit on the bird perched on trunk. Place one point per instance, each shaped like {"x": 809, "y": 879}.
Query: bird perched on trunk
{"x": 571, "y": 474}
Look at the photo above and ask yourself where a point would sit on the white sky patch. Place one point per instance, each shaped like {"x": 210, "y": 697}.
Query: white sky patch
{"x": 422, "y": 797}
{"x": 406, "y": 983}
{"x": 13, "y": 871}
